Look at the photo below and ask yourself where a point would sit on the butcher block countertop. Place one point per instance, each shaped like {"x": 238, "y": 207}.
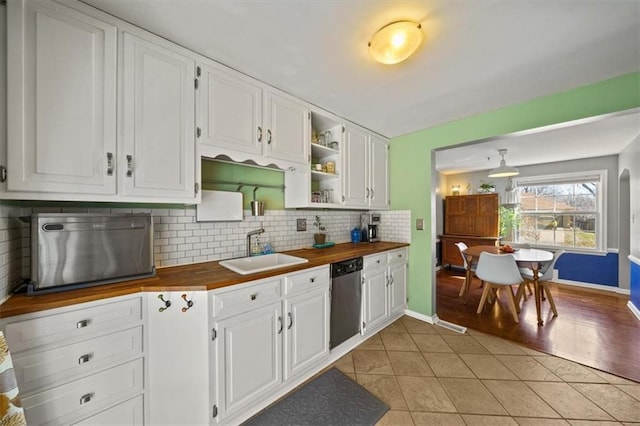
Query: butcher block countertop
{"x": 195, "y": 277}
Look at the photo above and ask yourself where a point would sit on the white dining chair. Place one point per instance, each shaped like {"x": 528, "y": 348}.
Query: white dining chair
{"x": 462, "y": 247}
{"x": 545, "y": 275}
{"x": 499, "y": 271}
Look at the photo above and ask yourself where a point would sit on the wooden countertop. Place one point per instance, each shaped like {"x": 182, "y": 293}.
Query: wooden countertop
{"x": 195, "y": 277}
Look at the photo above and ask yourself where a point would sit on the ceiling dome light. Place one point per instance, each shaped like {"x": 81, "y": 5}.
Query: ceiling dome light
{"x": 396, "y": 42}
{"x": 503, "y": 170}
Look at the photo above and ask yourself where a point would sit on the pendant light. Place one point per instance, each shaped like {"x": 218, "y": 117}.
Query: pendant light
{"x": 396, "y": 42}
{"x": 503, "y": 170}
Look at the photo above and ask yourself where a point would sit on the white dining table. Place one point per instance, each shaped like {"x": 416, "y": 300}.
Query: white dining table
{"x": 525, "y": 258}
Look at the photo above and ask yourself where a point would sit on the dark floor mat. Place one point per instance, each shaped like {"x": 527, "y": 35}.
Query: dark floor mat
{"x": 330, "y": 399}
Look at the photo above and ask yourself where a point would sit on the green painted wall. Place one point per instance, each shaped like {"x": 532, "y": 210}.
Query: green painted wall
{"x": 411, "y": 166}
{"x": 273, "y": 197}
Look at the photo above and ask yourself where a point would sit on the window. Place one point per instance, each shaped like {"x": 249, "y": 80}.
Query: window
{"x": 563, "y": 210}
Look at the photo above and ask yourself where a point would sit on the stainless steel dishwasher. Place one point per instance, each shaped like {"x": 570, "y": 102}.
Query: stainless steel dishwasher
{"x": 346, "y": 300}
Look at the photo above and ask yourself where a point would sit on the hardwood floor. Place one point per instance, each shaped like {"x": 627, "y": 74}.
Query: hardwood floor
{"x": 594, "y": 328}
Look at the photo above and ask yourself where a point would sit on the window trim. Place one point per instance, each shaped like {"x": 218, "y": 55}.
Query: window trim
{"x": 601, "y": 175}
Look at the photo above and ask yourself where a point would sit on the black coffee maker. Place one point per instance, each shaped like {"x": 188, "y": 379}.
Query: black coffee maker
{"x": 369, "y": 226}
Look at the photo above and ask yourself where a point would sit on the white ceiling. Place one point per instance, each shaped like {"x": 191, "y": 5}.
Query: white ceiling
{"x": 582, "y": 139}
{"x": 478, "y": 55}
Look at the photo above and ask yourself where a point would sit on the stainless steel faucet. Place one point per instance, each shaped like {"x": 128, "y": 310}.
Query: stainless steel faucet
{"x": 256, "y": 232}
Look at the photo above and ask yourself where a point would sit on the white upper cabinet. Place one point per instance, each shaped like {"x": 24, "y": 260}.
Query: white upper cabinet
{"x": 158, "y": 116}
{"x": 96, "y": 112}
{"x": 286, "y": 121}
{"x": 356, "y": 167}
{"x": 62, "y": 108}
{"x": 378, "y": 172}
{"x": 246, "y": 120}
{"x": 230, "y": 111}
{"x": 366, "y": 182}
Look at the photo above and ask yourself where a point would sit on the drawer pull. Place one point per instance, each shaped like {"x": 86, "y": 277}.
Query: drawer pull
{"x": 84, "y": 359}
{"x": 253, "y": 296}
{"x": 82, "y": 324}
{"x": 85, "y": 398}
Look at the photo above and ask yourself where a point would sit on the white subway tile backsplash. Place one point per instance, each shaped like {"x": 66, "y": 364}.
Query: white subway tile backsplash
{"x": 179, "y": 239}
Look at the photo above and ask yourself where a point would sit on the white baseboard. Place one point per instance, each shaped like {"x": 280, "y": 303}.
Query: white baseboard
{"x": 634, "y": 310}
{"x": 594, "y": 286}
{"x": 436, "y": 321}
{"x": 421, "y": 317}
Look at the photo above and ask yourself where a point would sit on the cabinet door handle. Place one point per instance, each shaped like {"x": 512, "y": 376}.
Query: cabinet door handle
{"x": 372, "y": 193}
{"x": 270, "y": 137}
{"x": 290, "y": 320}
{"x": 109, "y": 163}
{"x": 82, "y": 324}
{"x": 367, "y": 193}
{"x": 280, "y": 322}
{"x": 391, "y": 278}
{"x": 129, "y": 165}
{"x": 85, "y": 398}
{"x": 259, "y": 134}
{"x": 84, "y": 359}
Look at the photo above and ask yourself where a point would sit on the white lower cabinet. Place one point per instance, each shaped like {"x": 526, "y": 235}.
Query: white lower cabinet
{"x": 266, "y": 337}
{"x": 192, "y": 357}
{"x": 385, "y": 283}
{"x": 375, "y": 295}
{"x": 307, "y": 335}
{"x": 177, "y": 361}
{"x": 249, "y": 355}
{"x": 397, "y": 284}
{"x": 75, "y": 362}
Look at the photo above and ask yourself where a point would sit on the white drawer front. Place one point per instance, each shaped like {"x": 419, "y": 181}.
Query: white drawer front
{"x": 243, "y": 299}
{"x": 22, "y": 335}
{"x": 52, "y": 366}
{"x": 128, "y": 413}
{"x": 375, "y": 261}
{"x": 307, "y": 280}
{"x": 397, "y": 256}
{"x": 84, "y": 396}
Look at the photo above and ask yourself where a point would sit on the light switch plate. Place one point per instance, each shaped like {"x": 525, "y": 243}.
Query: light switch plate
{"x": 420, "y": 224}
{"x": 301, "y": 224}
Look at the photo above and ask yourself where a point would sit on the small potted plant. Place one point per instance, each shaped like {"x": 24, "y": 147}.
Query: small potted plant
{"x": 319, "y": 237}
{"x": 487, "y": 187}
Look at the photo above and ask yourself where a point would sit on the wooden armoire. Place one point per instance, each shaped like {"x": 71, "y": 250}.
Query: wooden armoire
{"x": 471, "y": 219}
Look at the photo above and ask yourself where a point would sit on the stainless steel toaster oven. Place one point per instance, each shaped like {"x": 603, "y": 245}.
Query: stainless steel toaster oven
{"x": 81, "y": 250}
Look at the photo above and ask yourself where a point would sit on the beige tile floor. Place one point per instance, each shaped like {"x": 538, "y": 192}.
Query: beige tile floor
{"x": 429, "y": 375}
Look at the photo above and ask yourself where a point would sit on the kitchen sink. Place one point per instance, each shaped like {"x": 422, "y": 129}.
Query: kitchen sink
{"x": 251, "y": 265}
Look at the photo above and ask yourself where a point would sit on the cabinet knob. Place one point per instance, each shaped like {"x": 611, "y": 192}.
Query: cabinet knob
{"x": 253, "y": 296}
{"x": 312, "y": 280}
{"x": 85, "y": 398}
